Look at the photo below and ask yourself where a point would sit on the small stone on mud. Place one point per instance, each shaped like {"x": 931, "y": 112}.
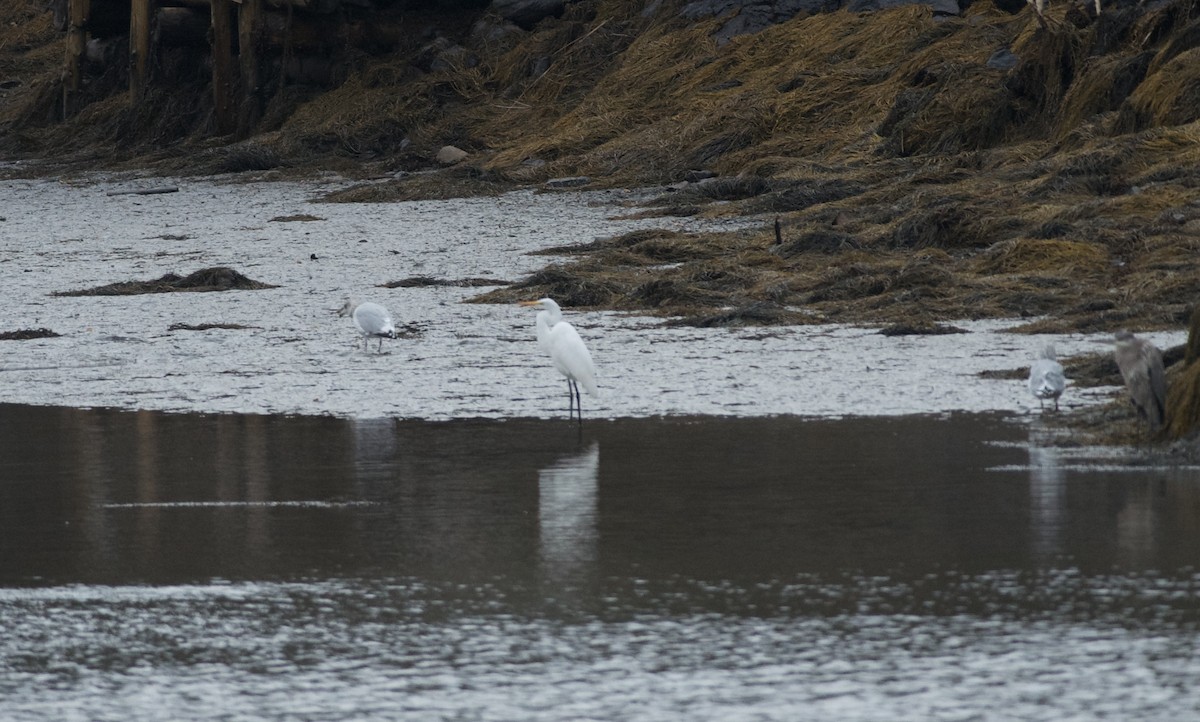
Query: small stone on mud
{"x": 449, "y": 155}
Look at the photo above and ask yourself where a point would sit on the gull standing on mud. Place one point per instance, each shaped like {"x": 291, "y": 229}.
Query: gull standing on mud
{"x": 567, "y": 351}
{"x": 1141, "y": 366}
{"x": 1046, "y": 379}
{"x": 371, "y": 319}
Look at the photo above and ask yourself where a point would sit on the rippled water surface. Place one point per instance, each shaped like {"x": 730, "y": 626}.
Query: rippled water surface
{"x": 225, "y": 567}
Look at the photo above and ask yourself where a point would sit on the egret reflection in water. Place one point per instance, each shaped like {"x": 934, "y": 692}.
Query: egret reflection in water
{"x": 479, "y": 574}
{"x": 567, "y": 513}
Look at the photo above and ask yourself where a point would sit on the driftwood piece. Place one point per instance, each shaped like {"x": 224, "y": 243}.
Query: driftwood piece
{"x": 145, "y": 191}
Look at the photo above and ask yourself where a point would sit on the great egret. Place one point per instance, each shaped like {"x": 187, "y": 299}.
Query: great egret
{"x": 1141, "y": 366}
{"x": 1046, "y": 380}
{"x": 371, "y": 319}
{"x": 560, "y": 339}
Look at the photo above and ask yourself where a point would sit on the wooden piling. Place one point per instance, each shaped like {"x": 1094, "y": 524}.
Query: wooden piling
{"x": 139, "y": 47}
{"x": 78, "y": 13}
{"x": 250, "y": 17}
{"x": 222, "y": 65}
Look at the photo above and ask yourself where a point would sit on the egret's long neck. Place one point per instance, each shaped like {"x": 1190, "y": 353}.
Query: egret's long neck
{"x": 543, "y": 326}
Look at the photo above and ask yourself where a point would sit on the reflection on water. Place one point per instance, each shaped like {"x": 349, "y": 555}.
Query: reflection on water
{"x": 1047, "y": 488}
{"x": 374, "y": 447}
{"x": 567, "y": 513}
{"x": 315, "y": 568}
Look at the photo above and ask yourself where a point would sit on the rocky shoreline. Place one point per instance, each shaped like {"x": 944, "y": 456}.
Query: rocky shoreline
{"x": 911, "y": 166}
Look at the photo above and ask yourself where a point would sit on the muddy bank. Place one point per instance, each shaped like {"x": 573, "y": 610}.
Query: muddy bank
{"x": 950, "y": 172}
{"x": 893, "y": 167}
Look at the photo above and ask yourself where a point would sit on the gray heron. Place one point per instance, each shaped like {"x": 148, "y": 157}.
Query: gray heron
{"x": 1141, "y": 366}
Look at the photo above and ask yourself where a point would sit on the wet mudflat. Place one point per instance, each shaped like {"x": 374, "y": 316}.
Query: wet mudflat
{"x": 284, "y": 350}
{"x": 243, "y": 567}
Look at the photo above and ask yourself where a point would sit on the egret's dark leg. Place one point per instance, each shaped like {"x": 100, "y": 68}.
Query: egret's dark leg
{"x": 570, "y": 401}
{"x": 578, "y": 403}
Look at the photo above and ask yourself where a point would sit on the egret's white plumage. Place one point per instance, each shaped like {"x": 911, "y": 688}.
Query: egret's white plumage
{"x": 567, "y": 350}
{"x": 1046, "y": 379}
{"x": 371, "y": 320}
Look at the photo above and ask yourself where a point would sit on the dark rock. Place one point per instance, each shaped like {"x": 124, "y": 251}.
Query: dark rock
{"x": 527, "y": 13}
{"x": 443, "y": 54}
{"x": 751, "y": 16}
{"x": 708, "y": 8}
{"x": 495, "y": 34}
{"x": 1002, "y": 59}
{"x": 944, "y": 7}
{"x": 751, "y": 19}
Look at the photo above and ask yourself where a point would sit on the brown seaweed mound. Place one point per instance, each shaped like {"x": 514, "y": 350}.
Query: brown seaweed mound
{"x": 427, "y": 281}
{"x": 26, "y": 334}
{"x": 208, "y": 327}
{"x": 218, "y": 278}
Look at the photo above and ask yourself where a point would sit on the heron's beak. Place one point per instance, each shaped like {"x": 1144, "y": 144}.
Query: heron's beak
{"x": 529, "y": 304}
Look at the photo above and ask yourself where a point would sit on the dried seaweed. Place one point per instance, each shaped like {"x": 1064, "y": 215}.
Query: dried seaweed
{"x": 218, "y": 278}
{"x": 26, "y": 334}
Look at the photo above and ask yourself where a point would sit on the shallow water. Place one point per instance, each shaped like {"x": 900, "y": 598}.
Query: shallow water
{"x": 468, "y": 360}
{"x": 226, "y": 567}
